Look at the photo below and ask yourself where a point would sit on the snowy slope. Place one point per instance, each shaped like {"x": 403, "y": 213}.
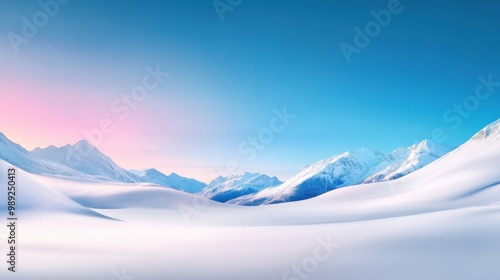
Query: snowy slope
{"x": 88, "y": 160}
{"x": 222, "y": 189}
{"x": 173, "y": 180}
{"x": 34, "y": 196}
{"x": 348, "y": 169}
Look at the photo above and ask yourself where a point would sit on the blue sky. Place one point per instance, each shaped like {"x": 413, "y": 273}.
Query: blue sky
{"x": 226, "y": 78}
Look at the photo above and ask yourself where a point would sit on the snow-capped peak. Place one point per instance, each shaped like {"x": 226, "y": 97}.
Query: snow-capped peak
{"x": 17, "y": 155}
{"x": 86, "y": 159}
{"x": 428, "y": 146}
{"x": 488, "y": 131}
{"x": 84, "y": 144}
{"x": 223, "y": 189}
{"x": 346, "y": 169}
{"x": 406, "y": 160}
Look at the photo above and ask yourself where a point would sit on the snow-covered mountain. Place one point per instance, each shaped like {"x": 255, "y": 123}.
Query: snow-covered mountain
{"x": 403, "y": 161}
{"x": 20, "y": 157}
{"x": 88, "y": 160}
{"x": 223, "y": 189}
{"x": 347, "y": 169}
{"x": 173, "y": 180}
{"x": 317, "y": 178}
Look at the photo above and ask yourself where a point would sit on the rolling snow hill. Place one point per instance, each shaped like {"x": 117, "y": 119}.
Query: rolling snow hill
{"x": 34, "y": 196}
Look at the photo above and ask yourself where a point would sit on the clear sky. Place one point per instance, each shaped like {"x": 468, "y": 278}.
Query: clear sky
{"x": 65, "y": 68}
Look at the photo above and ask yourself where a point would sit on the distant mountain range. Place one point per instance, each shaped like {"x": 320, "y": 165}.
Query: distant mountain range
{"x": 362, "y": 166}
{"x": 350, "y": 168}
{"x": 173, "y": 180}
{"x": 83, "y": 160}
{"x": 222, "y": 189}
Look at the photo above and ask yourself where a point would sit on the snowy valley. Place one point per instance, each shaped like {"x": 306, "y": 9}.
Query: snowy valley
{"x": 440, "y": 221}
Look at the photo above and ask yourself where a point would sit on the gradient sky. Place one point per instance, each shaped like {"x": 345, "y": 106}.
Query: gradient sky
{"x": 226, "y": 77}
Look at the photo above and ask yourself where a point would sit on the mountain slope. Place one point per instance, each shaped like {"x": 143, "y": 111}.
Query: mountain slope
{"x": 173, "y": 180}
{"x": 88, "y": 160}
{"x": 223, "y": 189}
{"x": 347, "y": 169}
